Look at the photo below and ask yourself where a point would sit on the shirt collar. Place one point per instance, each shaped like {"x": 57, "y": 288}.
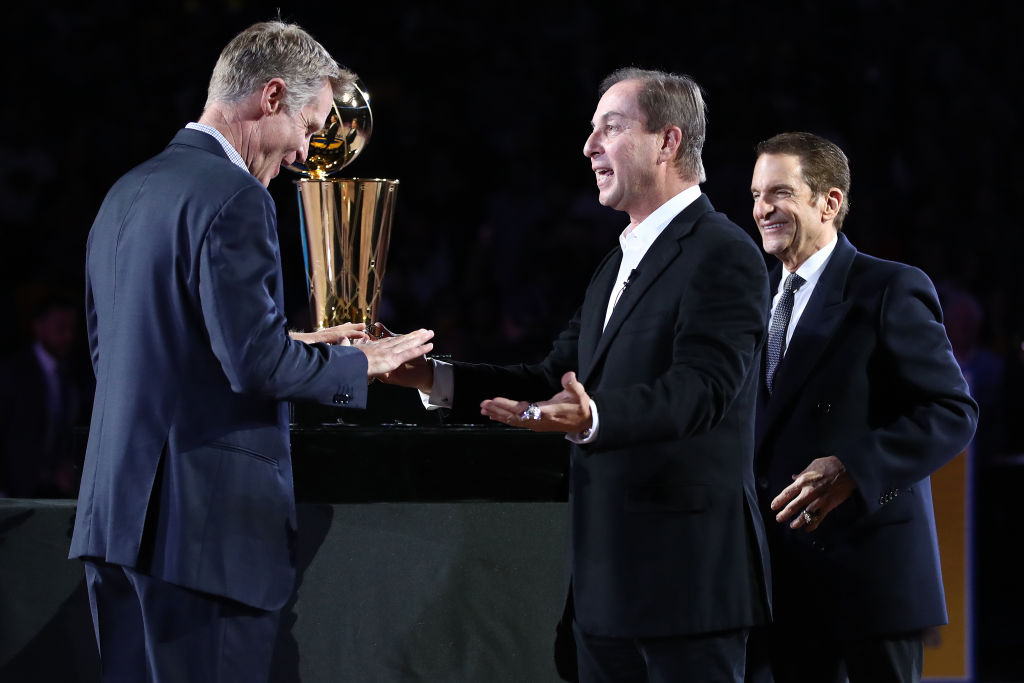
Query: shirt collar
{"x": 810, "y": 270}
{"x": 232, "y": 153}
{"x": 649, "y": 228}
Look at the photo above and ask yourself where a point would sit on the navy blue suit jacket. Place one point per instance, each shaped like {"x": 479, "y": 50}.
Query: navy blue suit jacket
{"x": 869, "y": 376}
{"x": 666, "y": 539}
{"x": 187, "y": 473}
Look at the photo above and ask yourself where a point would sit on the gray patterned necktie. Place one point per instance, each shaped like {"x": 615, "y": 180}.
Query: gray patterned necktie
{"x": 776, "y": 346}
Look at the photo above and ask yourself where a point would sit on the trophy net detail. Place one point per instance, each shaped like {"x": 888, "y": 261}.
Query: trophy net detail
{"x": 346, "y": 228}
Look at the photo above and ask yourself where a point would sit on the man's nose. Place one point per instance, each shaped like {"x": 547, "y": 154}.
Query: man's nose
{"x": 590, "y": 147}
{"x": 762, "y": 208}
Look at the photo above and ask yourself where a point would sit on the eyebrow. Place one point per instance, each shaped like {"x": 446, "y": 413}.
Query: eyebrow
{"x": 607, "y": 115}
{"x": 773, "y": 188}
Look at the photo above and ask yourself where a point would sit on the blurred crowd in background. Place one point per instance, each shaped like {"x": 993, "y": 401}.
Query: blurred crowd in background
{"x": 481, "y": 112}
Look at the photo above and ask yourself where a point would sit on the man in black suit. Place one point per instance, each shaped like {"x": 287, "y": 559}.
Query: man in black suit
{"x": 666, "y": 556}
{"x": 186, "y": 515}
{"x": 860, "y": 401}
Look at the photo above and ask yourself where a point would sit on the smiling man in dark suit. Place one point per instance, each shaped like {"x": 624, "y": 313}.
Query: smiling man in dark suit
{"x": 186, "y": 516}
{"x": 860, "y": 401}
{"x": 666, "y": 558}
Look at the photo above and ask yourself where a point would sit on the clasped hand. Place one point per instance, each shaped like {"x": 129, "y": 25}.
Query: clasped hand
{"x": 384, "y": 350}
{"x": 567, "y": 411}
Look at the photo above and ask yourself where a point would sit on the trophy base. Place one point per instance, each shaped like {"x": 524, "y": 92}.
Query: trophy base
{"x": 385, "y": 404}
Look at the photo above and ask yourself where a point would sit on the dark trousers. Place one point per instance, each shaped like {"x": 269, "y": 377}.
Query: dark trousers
{"x": 799, "y": 655}
{"x": 711, "y": 658}
{"x": 151, "y": 631}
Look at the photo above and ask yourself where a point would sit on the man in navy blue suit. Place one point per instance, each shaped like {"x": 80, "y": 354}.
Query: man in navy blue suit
{"x": 860, "y": 400}
{"x": 186, "y": 514}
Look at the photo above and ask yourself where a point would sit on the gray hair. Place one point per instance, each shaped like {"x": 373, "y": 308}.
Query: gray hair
{"x": 671, "y": 100}
{"x": 275, "y": 49}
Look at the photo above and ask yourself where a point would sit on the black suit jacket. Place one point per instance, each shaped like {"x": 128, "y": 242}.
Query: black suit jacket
{"x": 869, "y": 376}
{"x": 665, "y": 535}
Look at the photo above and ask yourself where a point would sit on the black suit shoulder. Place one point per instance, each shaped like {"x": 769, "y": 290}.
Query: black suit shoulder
{"x": 890, "y": 285}
{"x": 867, "y": 271}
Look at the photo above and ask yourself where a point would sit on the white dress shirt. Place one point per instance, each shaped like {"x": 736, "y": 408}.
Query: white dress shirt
{"x": 634, "y": 242}
{"x": 810, "y": 270}
{"x": 232, "y": 153}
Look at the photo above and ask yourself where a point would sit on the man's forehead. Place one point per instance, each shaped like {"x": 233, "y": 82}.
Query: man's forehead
{"x": 620, "y": 100}
{"x": 784, "y": 164}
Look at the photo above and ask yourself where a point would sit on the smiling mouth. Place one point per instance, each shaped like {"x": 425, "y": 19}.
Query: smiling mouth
{"x": 603, "y": 174}
{"x": 772, "y": 227}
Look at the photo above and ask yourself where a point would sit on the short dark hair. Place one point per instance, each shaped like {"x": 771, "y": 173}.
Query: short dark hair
{"x": 822, "y": 164}
{"x": 671, "y": 100}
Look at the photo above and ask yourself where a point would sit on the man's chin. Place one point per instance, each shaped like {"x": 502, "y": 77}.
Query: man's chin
{"x": 607, "y": 199}
{"x": 773, "y": 245}
{"x": 266, "y": 177}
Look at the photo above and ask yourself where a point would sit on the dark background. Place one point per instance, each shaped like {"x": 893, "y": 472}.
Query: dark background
{"x": 481, "y": 112}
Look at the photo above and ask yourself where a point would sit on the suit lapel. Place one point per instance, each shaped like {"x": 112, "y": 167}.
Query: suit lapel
{"x": 818, "y": 324}
{"x": 663, "y": 251}
{"x": 592, "y": 313}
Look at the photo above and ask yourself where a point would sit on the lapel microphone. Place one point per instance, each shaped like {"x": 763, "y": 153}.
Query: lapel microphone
{"x": 629, "y": 278}
{"x": 622, "y": 290}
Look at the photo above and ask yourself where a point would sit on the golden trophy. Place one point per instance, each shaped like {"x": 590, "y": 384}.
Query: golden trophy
{"x": 346, "y": 222}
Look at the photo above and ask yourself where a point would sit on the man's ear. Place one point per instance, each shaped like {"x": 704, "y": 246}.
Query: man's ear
{"x": 272, "y": 97}
{"x": 671, "y": 138}
{"x": 833, "y": 200}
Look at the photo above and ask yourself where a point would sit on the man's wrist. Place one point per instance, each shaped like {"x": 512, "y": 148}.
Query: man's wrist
{"x": 589, "y": 433}
{"x": 428, "y": 383}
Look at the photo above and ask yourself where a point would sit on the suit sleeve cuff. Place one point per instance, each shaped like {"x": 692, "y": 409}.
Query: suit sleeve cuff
{"x": 587, "y": 435}
{"x": 442, "y": 393}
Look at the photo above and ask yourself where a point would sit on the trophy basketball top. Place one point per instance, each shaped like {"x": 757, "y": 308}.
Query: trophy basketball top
{"x": 344, "y": 137}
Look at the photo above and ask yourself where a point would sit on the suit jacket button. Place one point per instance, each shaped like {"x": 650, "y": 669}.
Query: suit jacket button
{"x": 762, "y": 483}
{"x": 825, "y": 407}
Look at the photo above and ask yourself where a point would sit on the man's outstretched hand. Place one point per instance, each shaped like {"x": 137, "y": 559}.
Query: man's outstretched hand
{"x": 567, "y": 411}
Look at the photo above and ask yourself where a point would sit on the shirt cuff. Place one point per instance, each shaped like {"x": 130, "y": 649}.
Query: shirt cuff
{"x": 442, "y": 392}
{"x": 587, "y": 435}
